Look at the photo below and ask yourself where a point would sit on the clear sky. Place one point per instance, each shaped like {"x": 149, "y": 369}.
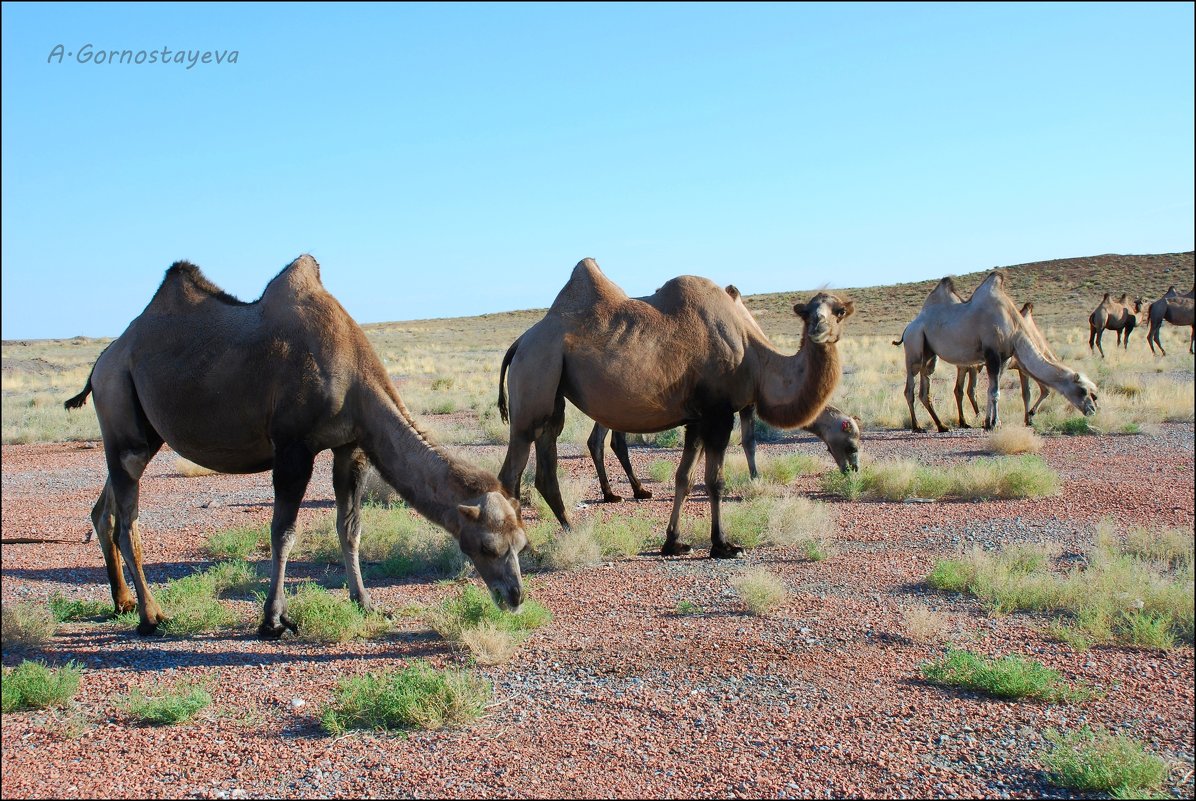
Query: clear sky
{"x": 446, "y": 160}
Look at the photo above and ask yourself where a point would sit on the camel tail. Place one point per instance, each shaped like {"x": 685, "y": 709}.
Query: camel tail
{"x": 899, "y": 341}
{"x": 502, "y": 380}
{"x": 80, "y": 399}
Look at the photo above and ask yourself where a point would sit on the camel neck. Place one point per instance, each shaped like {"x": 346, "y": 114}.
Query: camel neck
{"x": 793, "y": 389}
{"x": 1036, "y": 363}
{"x": 427, "y": 477}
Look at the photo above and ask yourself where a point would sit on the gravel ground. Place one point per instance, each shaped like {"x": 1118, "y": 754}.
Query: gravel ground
{"x": 619, "y": 695}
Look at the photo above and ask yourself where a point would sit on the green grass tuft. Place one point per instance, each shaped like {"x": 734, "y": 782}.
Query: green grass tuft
{"x": 34, "y": 685}
{"x": 64, "y": 609}
{"x": 418, "y": 697}
{"x": 169, "y": 707}
{"x": 472, "y": 606}
{"x": 1089, "y": 759}
{"x": 1008, "y": 677}
{"x": 238, "y": 543}
{"x": 324, "y": 617}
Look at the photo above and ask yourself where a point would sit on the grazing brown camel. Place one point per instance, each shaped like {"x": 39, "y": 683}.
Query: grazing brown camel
{"x": 969, "y": 374}
{"x": 837, "y": 430}
{"x": 244, "y": 387}
{"x": 1175, "y": 309}
{"x": 682, "y": 356}
{"x": 986, "y": 328}
{"x": 1113, "y": 315}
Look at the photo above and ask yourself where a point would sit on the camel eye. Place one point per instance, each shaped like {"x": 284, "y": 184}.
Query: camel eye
{"x": 839, "y": 313}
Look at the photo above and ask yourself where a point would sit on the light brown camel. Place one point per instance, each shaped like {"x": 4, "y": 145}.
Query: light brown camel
{"x": 244, "y": 387}
{"x": 1175, "y": 309}
{"x": 837, "y": 430}
{"x": 682, "y": 356}
{"x": 986, "y": 328}
{"x": 1113, "y": 315}
{"x": 969, "y": 374}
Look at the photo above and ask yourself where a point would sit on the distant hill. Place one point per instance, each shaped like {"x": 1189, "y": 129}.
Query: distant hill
{"x": 1064, "y": 291}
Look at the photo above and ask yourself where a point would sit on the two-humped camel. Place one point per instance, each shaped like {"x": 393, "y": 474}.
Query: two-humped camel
{"x": 838, "y": 431}
{"x": 245, "y": 387}
{"x": 985, "y": 329}
{"x": 1113, "y": 315}
{"x": 682, "y": 356}
{"x": 1173, "y": 308}
{"x": 969, "y": 374}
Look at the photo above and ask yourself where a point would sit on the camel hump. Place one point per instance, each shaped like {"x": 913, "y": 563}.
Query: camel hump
{"x": 943, "y": 292}
{"x": 993, "y": 283}
{"x": 587, "y": 287}
{"x": 184, "y": 283}
{"x": 1105, "y": 299}
{"x": 300, "y": 277}
{"x": 1124, "y": 297}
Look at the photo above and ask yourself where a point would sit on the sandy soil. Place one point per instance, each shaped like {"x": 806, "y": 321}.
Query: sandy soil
{"x": 619, "y": 695}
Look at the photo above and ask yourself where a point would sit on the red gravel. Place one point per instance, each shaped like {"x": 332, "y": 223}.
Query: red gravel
{"x": 618, "y": 696}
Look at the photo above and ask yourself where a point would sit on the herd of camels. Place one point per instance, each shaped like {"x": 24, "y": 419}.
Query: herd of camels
{"x": 305, "y": 379}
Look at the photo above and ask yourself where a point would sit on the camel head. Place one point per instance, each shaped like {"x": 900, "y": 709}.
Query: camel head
{"x": 491, "y": 536}
{"x": 1081, "y": 392}
{"x": 845, "y": 445}
{"x": 824, "y": 316}
{"x": 1137, "y": 305}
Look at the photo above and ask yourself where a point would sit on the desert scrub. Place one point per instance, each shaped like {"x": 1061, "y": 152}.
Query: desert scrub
{"x": 192, "y": 603}
{"x": 324, "y": 617}
{"x": 417, "y": 697}
{"x": 1088, "y": 759}
{"x": 167, "y": 707}
{"x": 623, "y": 536}
{"x": 471, "y": 607}
{"x": 1011, "y": 440}
{"x": 34, "y": 685}
{"x": 64, "y": 609}
{"x": 776, "y": 472}
{"x": 1135, "y": 591}
{"x": 576, "y": 548}
{"x": 1000, "y": 477}
{"x": 848, "y": 486}
{"x": 786, "y": 520}
{"x": 26, "y": 624}
{"x": 1007, "y": 677}
{"x": 488, "y": 644}
{"x": 923, "y": 624}
{"x": 662, "y": 471}
{"x": 760, "y": 591}
{"x": 238, "y": 543}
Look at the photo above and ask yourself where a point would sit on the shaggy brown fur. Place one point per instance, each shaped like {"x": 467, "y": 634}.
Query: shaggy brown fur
{"x": 244, "y": 387}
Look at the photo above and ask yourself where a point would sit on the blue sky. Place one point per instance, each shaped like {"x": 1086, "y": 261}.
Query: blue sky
{"x": 448, "y": 160}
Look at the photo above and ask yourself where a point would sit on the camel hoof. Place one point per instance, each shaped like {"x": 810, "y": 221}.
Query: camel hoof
{"x": 122, "y": 607}
{"x": 610, "y": 497}
{"x": 943, "y": 429}
{"x": 964, "y": 425}
{"x": 675, "y": 549}
{"x": 643, "y": 494}
{"x": 727, "y": 551}
{"x": 148, "y": 630}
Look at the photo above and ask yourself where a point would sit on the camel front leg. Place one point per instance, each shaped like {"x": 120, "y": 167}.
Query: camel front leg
{"x": 995, "y": 365}
{"x": 715, "y": 437}
{"x": 618, "y": 444}
{"x": 349, "y": 467}
{"x": 596, "y": 444}
{"x": 747, "y": 433}
{"x": 1100, "y": 334}
{"x": 681, "y": 487}
{"x": 961, "y": 376}
{"x": 103, "y": 519}
{"x": 293, "y": 464}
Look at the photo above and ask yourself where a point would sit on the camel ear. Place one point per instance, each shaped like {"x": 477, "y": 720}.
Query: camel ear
{"x": 470, "y": 512}
{"x": 800, "y": 311}
{"x": 848, "y": 308}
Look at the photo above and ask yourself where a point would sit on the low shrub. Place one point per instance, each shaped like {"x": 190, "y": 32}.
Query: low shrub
{"x": 417, "y": 697}
{"x": 1007, "y": 677}
{"x": 324, "y": 617}
{"x": 760, "y": 591}
{"x": 167, "y": 707}
{"x": 26, "y": 624}
{"x": 35, "y": 685}
{"x": 1088, "y": 759}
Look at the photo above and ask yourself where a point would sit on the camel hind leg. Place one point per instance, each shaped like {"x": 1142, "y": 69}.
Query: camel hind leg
{"x": 546, "y": 462}
{"x": 618, "y": 444}
{"x": 125, "y": 468}
{"x": 597, "y": 447}
{"x": 924, "y": 396}
{"x": 103, "y": 519}
{"x": 747, "y": 435}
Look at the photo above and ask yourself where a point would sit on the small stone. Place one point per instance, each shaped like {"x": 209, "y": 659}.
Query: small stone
{"x": 298, "y": 703}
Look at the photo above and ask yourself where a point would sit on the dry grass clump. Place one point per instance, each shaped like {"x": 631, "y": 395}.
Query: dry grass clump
{"x": 784, "y": 520}
{"x": 576, "y": 548}
{"x": 25, "y": 624}
{"x": 998, "y": 477}
{"x": 1010, "y": 440}
{"x": 923, "y": 624}
{"x": 489, "y": 644}
{"x": 1136, "y": 591}
{"x": 623, "y": 536}
{"x": 396, "y": 541}
{"x": 760, "y": 591}
{"x": 188, "y": 468}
